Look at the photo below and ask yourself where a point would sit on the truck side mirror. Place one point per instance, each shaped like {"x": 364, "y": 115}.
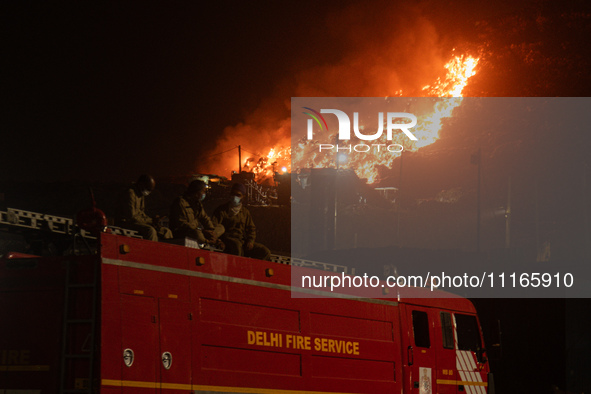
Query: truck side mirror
{"x": 480, "y": 356}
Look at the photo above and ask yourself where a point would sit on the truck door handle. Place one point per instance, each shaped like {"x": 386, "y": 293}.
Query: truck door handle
{"x": 410, "y": 356}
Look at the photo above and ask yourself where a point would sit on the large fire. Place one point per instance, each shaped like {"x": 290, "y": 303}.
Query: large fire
{"x": 278, "y": 158}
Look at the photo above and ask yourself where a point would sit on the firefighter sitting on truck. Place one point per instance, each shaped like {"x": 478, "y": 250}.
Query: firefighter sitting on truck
{"x": 131, "y": 211}
{"x": 188, "y": 217}
{"x": 240, "y": 231}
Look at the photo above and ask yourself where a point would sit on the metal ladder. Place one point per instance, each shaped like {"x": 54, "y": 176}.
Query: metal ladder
{"x": 72, "y": 360}
{"x": 55, "y": 224}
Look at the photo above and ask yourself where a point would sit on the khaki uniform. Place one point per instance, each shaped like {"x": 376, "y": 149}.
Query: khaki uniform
{"x": 131, "y": 215}
{"x": 239, "y": 230}
{"x": 188, "y": 219}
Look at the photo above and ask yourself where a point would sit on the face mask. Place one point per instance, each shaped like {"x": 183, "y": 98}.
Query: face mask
{"x": 146, "y": 193}
{"x": 202, "y": 197}
{"x": 235, "y": 201}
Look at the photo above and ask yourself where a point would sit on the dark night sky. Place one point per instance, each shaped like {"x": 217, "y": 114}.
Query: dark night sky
{"x": 105, "y": 91}
{"x": 110, "y": 90}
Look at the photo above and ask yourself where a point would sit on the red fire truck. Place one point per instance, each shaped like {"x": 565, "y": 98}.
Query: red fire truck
{"x": 145, "y": 317}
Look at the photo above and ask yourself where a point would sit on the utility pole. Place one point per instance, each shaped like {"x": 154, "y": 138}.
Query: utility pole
{"x": 537, "y": 197}
{"x": 399, "y": 202}
{"x": 587, "y": 251}
{"x": 477, "y": 159}
{"x": 336, "y": 179}
{"x": 508, "y": 217}
{"x": 239, "y": 159}
{"x": 479, "y": 198}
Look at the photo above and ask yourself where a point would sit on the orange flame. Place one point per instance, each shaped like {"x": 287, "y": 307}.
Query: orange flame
{"x": 458, "y": 71}
{"x": 265, "y": 166}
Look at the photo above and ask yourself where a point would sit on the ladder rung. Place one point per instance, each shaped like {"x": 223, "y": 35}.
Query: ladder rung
{"x": 77, "y": 356}
{"x": 80, "y": 321}
{"x": 70, "y": 360}
{"x": 81, "y": 285}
